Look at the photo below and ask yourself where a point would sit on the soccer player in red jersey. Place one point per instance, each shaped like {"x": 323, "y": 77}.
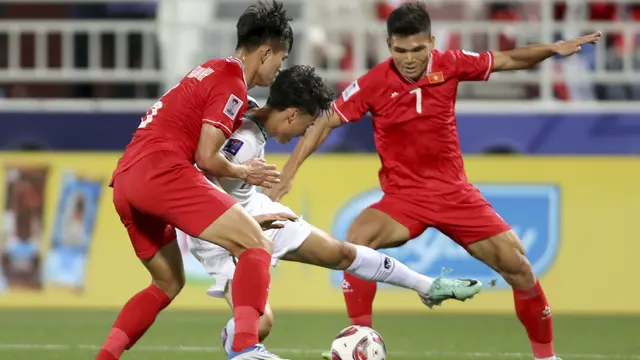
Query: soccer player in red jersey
{"x": 156, "y": 186}
{"x": 411, "y": 97}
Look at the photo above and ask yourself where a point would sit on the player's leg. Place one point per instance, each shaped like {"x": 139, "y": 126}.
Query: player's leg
{"x": 184, "y": 198}
{"x": 155, "y": 245}
{"x": 236, "y": 231}
{"x": 220, "y": 264}
{"x": 228, "y": 333}
{"x": 320, "y": 249}
{"x": 506, "y": 255}
{"x": 487, "y": 237}
{"x": 382, "y": 225}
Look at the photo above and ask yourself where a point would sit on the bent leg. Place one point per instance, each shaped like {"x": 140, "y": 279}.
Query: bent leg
{"x": 475, "y": 225}
{"x": 321, "y": 249}
{"x": 266, "y": 320}
{"x": 236, "y": 231}
{"x": 140, "y": 312}
{"x": 383, "y": 225}
{"x": 505, "y": 254}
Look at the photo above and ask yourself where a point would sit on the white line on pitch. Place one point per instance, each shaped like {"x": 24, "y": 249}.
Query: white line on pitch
{"x": 417, "y": 354}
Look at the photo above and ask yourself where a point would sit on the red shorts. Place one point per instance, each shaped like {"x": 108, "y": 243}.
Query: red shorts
{"x": 464, "y": 216}
{"x": 162, "y": 191}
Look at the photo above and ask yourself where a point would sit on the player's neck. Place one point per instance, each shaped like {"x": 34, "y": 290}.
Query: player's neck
{"x": 261, "y": 115}
{"x": 250, "y": 66}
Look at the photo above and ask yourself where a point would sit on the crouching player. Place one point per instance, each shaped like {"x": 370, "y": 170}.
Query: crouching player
{"x": 296, "y": 99}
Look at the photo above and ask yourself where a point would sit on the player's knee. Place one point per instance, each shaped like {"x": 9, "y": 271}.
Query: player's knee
{"x": 513, "y": 263}
{"x": 266, "y": 324}
{"x": 517, "y": 271}
{"x": 348, "y": 253}
{"x": 171, "y": 287}
{"x": 253, "y": 240}
{"x": 362, "y": 235}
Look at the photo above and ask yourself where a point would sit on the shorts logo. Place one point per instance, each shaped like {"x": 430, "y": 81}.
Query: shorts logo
{"x": 233, "y": 146}
{"x": 232, "y": 108}
{"x": 533, "y": 211}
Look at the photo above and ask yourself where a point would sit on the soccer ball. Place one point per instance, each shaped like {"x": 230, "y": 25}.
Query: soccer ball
{"x": 358, "y": 343}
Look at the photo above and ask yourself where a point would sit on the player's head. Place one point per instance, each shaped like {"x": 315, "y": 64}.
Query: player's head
{"x": 297, "y": 97}
{"x": 409, "y": 38}
{"x": 264, "y": 31}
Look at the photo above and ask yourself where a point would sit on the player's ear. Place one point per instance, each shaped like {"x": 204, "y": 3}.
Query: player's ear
{"x": 432, "y": 42}
{"x": 292, "y": 113}
{"x": 266, "y": 51}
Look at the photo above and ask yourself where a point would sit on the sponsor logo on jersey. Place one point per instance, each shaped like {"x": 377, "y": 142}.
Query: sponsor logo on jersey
{"x": 470, "y": 53}
{"x": 350, "y": 91}
{"x": 232, "y": 108}
{"x": 233, "y": 146}
{"x": 533, "y": 211}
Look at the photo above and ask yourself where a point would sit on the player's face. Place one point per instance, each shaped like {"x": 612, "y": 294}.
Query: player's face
{"x": 270, "y": 66}
{"x": 411, "y": 53}
{"x": 293, "y": 124}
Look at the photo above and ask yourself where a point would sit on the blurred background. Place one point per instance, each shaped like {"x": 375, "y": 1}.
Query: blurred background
{"x": 554, "y": 149}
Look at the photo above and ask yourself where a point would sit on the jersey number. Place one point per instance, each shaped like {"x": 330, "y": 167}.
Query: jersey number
{"x": 418, "y": 92}
{"x": 154, "y": 110}
{"x": 151, "y": 114}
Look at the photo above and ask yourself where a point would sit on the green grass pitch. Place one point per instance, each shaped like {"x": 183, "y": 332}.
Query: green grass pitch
{"x": 75, "y": 335}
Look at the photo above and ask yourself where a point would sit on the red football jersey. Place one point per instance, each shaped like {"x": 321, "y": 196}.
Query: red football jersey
{"x": 214, "y": 93}
{"x": 414, "y": 122}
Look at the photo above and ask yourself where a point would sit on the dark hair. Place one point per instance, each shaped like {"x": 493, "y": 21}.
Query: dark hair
{"x": 300, "y": 87}
{"x": 264, "y": 23}
{"x": 409, "y": 19}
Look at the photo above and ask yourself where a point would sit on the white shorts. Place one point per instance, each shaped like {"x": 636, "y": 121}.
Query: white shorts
{"x": 219, "y": 263}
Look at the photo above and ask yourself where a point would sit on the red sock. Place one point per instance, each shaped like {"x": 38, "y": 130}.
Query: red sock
{"x": 135, "y": 318}
{"x": 359, "y": 295}
{"x": 249, "y": 292}
{"x": 534, "y": 313}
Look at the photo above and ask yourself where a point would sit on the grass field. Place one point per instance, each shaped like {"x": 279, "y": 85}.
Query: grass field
{"x": 75, "y": 335}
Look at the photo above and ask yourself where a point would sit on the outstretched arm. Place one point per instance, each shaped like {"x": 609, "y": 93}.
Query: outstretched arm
{"x": 307, "y": 145}
{"x": 528, "y": 56}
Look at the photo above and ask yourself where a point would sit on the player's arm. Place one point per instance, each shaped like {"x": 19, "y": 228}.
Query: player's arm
{"x": 313, "y": 138}
{"x": 528, "y": 56}
{"x": 209, "y": 158}
{"x": 223, "y": 97}
{"x": 350, "y": 106}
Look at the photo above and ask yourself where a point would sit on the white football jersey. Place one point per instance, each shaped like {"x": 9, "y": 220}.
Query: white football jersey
{"x": 245, "y": 143}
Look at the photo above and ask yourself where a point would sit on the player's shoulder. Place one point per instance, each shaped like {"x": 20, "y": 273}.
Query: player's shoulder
{"x": 453, "y": 56}
{"x": 229, "y": 68}
{"x": 246, "y": 142}
{"x": 379, "y": 74}
{"x": 444, "y": 60}
{"x": 372, "y": 82}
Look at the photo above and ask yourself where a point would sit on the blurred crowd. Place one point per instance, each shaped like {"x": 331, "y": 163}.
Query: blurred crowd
{"x": 176, "y": 51}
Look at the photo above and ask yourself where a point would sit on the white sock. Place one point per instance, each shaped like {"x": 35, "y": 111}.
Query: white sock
{"x": 376, "y": 266}
{"x": 550, "y": 358}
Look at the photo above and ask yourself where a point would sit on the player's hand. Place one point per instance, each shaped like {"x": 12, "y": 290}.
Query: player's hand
{"x": 278, "y": 191}
{"x": 259, "y": 173}
{"x": 568, "y": 48}
{"x": 267, "y": 221}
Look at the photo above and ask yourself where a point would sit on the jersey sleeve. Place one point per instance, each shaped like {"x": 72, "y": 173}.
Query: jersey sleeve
{"x": 225, "y": 97}
{"x": 472, "y": 66}
{"x": 354, "y": 103}
{"x": 239, "y": 149}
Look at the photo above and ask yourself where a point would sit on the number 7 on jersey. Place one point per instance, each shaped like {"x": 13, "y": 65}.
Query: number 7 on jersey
{"x": 418, "y": 93}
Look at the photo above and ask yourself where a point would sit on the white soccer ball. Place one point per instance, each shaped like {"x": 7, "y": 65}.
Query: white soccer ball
{"x": 227, "y": 334}
{"x": 358, "y": 343}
